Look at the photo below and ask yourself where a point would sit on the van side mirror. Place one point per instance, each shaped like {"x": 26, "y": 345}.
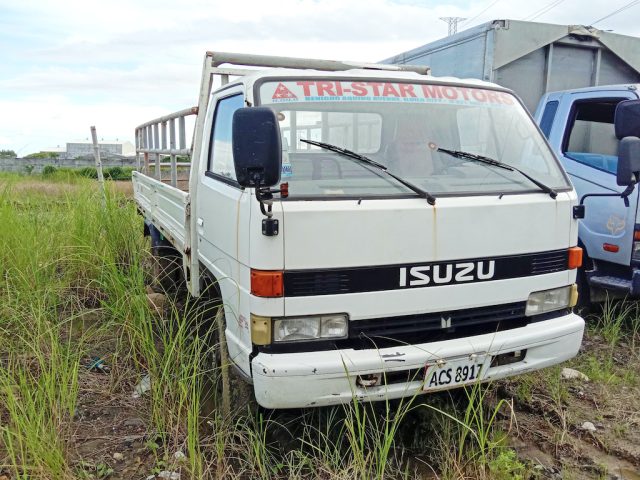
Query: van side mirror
{"x": 627, "y": 128}
{"x": 628, "y": 172}
{"x": 257, "y": 151}
{"x": 627, "y": 119}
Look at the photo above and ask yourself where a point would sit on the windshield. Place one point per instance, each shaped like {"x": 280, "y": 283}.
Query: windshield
{"x": 401, "y": 126}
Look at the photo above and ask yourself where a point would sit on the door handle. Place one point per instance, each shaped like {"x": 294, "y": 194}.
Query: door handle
{"x": 200, "y": 225}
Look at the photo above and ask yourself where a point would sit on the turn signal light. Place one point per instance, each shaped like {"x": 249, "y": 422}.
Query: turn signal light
{"x": 636, "y": 235}
{"x": 267, "y": 283}
{"x": 609, "y": 247}
{"x": 575, "y": 257}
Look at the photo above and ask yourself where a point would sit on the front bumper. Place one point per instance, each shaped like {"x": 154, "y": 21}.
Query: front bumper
{"x": 295, "y": 380}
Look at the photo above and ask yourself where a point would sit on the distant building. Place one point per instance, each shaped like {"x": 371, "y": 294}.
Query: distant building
{"x": 85, "y": 148}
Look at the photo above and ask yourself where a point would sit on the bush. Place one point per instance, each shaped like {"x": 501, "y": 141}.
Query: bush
{"x": 112, "y": 173}
{"x": 118, "y": 173}
{"x": 89, "y": 172}
{"x": 49, "y": 170}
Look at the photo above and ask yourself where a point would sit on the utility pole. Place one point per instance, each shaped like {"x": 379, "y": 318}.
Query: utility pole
{"x": 96, "y": 154}
{"x": 453, "y": 24}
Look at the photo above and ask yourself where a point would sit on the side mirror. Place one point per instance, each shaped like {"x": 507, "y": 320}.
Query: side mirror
{"x": 628, "y": 172}
{"x": 257, "y": 151}
{"x": 627, "y": 119}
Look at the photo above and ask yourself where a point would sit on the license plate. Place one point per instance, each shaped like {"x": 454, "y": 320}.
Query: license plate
{"x": 453, "y": 373}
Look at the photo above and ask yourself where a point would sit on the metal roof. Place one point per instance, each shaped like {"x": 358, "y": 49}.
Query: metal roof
{"x": 515, "y": 39}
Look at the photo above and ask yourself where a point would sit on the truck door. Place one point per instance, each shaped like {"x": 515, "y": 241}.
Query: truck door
{"x": 222, "y": 205}
{"x": 589, "y": 151}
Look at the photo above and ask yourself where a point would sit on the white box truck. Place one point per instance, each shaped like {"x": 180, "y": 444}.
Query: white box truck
{"x": 372, "y": 231}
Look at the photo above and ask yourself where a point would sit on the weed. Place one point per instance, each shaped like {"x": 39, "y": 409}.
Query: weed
{"x": 506, "y": 466}
{"x": 612, "y": 320}
{"x": 524, "y": 389}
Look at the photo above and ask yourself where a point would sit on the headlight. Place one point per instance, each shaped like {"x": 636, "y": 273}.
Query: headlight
{"x": 310, "y": 328}
{"x": 549, "y": 300}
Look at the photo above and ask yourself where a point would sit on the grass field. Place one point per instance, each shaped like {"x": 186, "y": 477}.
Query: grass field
{"x": 78, "y": 334}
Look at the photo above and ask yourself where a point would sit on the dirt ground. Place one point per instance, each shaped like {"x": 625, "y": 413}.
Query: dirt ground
{"x": 551, "y": 412}
{"x": 112, "y": 431}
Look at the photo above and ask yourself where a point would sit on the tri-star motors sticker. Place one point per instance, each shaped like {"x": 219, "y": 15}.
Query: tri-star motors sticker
{"x": 324, "y": 90}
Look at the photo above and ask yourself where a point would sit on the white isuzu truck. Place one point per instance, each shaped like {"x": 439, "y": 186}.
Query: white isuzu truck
{"x": 372, "y": 231}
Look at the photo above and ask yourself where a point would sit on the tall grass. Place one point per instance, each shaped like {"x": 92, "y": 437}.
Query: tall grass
{"x": 62, "y": 256}
{"x": 56, "y": 244}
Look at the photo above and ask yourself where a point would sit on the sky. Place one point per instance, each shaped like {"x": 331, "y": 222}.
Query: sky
{"x": 67, "y": 65}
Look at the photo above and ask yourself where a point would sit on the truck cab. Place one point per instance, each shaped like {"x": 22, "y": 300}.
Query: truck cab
{"x": 415, "y": 233}
{"x": 580, "y": 126}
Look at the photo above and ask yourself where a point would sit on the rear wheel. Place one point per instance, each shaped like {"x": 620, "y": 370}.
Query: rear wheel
{"x": 167, "y": 270}
{"x": 168, "y": 276}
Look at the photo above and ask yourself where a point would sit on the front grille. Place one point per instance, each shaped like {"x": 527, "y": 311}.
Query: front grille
{"x": 318, "y": 283}
{"x": 549, "y": 262}
{"x": 411, "y": 329}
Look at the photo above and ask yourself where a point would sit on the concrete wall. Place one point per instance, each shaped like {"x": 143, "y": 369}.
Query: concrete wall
{"x": 18, "y": 164}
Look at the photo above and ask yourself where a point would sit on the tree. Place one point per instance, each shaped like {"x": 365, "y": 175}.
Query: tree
{"x": 43, "y": 155}
{"x": 8, "y": 154}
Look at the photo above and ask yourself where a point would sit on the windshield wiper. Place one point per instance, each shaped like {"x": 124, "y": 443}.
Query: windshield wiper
{"x": 490, "y": 161}
{"x": 367, "y": 161}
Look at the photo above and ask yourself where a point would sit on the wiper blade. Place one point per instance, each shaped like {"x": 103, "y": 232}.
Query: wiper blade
{"x": 367, "y": 161}
{"x": 345, "y": 152}
{"x": 495, "y": 163}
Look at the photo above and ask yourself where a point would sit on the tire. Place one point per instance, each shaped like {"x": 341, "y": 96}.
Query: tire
{"x": 230, "y": 394}
{"x": 167, "y": 274}
{"x": 167, "y": 270}
{"x": 584, "y": 290}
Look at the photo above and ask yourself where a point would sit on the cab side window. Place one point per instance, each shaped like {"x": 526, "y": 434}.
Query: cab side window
{"x": 220, "y": 152}
{"x": 592, "y": 139}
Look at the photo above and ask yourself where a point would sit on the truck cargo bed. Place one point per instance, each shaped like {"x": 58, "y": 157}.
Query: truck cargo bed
{"x": 163, "y": 206}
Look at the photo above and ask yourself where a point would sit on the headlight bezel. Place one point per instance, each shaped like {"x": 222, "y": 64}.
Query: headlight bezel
{"x": 321, "y": 323}
{"x": 550, "y": 300}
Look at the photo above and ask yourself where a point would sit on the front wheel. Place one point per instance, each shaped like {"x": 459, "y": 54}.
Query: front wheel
{"x": 229, "y": 393}
{"x": 584, "y": 290}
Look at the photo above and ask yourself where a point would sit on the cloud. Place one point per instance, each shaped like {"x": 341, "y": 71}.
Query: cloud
{"x": 119, "y": 63}
{"x": 46, "y": 121}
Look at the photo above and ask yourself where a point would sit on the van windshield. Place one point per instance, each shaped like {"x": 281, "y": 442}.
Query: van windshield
{"x": 401, "y": 126}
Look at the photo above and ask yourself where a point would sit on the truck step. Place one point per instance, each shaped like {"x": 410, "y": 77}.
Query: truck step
{"x": 605, "y": 281}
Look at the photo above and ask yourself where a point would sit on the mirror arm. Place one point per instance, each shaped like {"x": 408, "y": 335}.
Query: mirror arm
{"x": 264, "y": 195}
{"x": 579, "y": 210}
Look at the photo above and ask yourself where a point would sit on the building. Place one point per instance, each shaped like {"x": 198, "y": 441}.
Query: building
{"x": 85, "y": 147}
